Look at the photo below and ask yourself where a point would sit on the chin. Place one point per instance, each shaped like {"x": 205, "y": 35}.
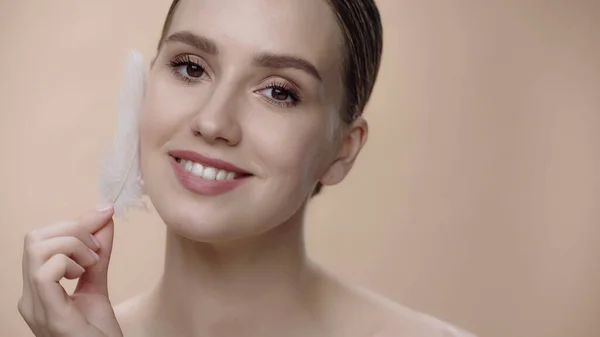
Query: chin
{"x": 203, "y": 220}
{"x": 213, "y": 220}
{"x": 244, "y": 212}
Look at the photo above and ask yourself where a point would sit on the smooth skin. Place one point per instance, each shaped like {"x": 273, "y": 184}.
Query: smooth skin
{"x": 235, "y": 263}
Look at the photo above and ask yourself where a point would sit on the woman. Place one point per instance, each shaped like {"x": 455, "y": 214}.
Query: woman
{"x": 251, "y": 106}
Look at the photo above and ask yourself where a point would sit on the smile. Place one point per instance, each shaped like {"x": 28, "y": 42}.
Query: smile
{"x": 204, "y": 175}
{"x": 208, "y": 173}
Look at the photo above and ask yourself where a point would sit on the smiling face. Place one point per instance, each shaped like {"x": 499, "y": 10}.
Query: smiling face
{"x": 241, "y": 115}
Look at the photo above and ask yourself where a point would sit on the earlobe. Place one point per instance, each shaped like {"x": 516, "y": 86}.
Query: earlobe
{"x": 354, "y": 140}
{"x": 334, "y": 175}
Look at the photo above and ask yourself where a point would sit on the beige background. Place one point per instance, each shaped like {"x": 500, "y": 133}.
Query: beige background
{"x": 477, "y": 199}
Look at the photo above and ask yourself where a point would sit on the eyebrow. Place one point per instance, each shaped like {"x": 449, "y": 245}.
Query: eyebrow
{"x": 267, "y": 60}
{"x": 199, "y": 42}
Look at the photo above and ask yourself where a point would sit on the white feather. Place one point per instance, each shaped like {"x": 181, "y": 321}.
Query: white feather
{"x": 120, "y": 173}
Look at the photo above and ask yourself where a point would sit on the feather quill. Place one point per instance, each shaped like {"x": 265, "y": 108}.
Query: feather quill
{"x": 120, "y": 172}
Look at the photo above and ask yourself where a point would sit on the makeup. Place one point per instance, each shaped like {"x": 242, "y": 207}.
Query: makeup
{"x": 206, "y": 176}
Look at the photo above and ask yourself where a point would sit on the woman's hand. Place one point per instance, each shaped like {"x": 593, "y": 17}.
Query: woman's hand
{"x": 79, "y": 249}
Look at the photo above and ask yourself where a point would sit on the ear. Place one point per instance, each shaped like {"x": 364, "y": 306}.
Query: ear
{"x": 353, "y": 140}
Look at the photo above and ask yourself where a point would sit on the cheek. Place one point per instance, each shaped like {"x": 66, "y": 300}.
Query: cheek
{"x": 294, "y": 149}
{"x": 152, "y": 123}
{"x": 159, "y": 120}
{"x": 164, "y": 111}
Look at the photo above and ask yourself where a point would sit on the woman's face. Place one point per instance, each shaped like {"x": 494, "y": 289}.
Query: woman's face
{"x": 240, "y": 118}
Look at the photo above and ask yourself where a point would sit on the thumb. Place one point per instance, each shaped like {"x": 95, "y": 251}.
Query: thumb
{"x": 95, "y": 278}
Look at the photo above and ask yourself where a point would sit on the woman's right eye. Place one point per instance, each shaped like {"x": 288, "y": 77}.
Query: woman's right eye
{"x": 187, "y": 70}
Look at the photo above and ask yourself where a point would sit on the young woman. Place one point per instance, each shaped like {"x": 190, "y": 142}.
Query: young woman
{"x": 251, "y": 106}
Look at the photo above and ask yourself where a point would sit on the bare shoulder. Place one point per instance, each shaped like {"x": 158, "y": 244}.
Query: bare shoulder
{"x": 129, "y": 315}
{"x": 401, "y": 321}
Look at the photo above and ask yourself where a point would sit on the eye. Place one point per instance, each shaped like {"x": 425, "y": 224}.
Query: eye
{"x": 281, "y": 94}
{"x": 193, "y": 70}
{"x": 188, "y": 70}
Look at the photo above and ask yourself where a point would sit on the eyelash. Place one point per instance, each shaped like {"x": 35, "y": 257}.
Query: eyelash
{"x": 184, "y": 60}
{"x": 284, "y": 87}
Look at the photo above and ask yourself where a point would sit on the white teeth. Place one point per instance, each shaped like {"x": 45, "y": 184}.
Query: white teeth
{"x": 210, "y": 173}
{"x": 221, "y": 175}
{"x": 188, "y": 165}
{"x": 197, "y": 169}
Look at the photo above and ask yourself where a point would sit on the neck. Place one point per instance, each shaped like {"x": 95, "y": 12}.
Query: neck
{"x": 209, "y": 286}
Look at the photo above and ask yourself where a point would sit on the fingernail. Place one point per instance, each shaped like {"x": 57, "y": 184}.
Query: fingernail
{"x": 104, "y": 207}
{"x": 96, "y": 256}
{"x": 96, "y": 242}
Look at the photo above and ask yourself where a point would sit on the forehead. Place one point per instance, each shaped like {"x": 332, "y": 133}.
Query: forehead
{"x": 303, "y": 28}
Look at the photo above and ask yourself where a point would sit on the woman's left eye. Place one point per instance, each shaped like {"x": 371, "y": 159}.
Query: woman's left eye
{"x": 280, "y": 95}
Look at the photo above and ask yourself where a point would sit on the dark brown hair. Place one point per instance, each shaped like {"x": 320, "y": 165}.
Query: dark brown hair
{"x": 362, "y": 32}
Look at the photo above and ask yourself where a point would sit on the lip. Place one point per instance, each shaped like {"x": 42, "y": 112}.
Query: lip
{"x": 206, "y": 161}
{"x": 203, "y": 186}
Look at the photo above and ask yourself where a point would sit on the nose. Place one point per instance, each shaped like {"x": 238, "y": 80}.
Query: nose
{"x": 217, "y": 119}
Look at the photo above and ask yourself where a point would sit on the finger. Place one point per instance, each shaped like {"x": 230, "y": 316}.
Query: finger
{"x": 25, "y": 303}
{"x": 66, "y": 245}
{"x": 46, "y": 280}
{"x": 95, "y": 278}
{"x": 88, "y": 223}
{"x": 57, "y": 308}
{"x": 82, "y": 229}
{"x": 97, "y": 218}
{"x": 68, "y": 228}
{"x": 30, "y": 303}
